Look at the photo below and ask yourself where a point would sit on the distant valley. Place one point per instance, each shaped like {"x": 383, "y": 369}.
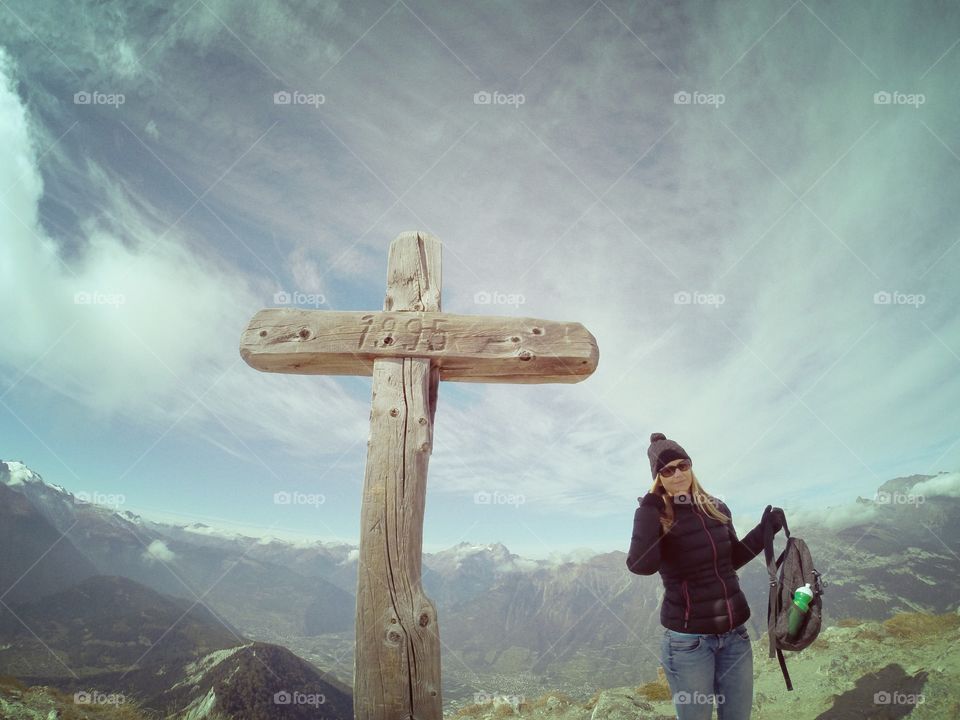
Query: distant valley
{"x": 99, "y": 586}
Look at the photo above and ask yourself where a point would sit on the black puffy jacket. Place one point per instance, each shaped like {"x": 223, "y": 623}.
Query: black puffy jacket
{"x": 697, "y": 561}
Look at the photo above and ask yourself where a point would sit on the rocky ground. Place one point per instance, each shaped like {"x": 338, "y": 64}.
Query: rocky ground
{"x": 19, "y": 702}
{"x": 906, "y": 666}
{"x": 912, "y": 657}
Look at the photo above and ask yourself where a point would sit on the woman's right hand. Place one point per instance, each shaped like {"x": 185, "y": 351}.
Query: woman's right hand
{"x": 654, "y": 499}
{"x": 775, "y": 518}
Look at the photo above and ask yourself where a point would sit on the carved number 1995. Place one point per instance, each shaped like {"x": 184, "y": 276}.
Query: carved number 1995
{"x": 413, "y": 335}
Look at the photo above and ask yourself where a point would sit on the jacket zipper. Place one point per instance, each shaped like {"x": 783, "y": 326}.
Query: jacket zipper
{"x": 716, "y": 569}
{"x": 686, "y": 614}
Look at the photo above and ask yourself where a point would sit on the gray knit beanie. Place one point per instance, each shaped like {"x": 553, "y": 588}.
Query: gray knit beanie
{"x": 663, "y": 451}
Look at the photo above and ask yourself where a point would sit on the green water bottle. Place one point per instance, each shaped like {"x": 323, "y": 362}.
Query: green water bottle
{"x": 798, "y": 610}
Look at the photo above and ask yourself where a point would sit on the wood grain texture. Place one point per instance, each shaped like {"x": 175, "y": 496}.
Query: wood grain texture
{"x": 466, "y": 348}
{"x": 397, "y": 658}
{"x": 408, "y": 348}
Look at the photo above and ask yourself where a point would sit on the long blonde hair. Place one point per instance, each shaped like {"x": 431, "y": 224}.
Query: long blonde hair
{"x": 701, "y": 498}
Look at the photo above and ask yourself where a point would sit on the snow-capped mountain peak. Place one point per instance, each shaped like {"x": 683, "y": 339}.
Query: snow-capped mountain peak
{"x": 14, "y": 472}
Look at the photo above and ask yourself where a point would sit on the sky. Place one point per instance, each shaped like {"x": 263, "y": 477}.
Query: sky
{"x": 750, "y": 205}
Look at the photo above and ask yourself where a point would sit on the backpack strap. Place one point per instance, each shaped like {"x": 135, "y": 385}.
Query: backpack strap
{"x": 773, "y": 594}
{"x": 783, "y": 669}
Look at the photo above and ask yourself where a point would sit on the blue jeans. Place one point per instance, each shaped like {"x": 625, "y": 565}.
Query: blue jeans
{"x": 703, "y": 669}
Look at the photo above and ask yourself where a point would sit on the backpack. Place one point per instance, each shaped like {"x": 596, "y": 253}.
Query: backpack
{"x": 796, "y": 569}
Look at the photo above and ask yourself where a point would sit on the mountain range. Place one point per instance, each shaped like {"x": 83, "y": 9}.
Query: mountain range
{"x": 510, "y": 625}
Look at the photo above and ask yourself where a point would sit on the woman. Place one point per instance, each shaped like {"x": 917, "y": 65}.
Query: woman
{"x": 687, "y": 535}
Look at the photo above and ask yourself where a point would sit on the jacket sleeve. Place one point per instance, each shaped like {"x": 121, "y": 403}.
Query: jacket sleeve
{"x": 743, "y": 551}
{"x": 644, "y": 555}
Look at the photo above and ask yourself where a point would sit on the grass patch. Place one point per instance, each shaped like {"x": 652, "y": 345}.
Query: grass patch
{"x": 474, "y": 710}
{"x": 870, "y": 634}
{"x": 497, "y": 710}
{"x": 8, "y": 683}
{"x": 912, "y": 625}
{"x": 49, "y": 701}
{"x": 849, "y": 622}
{"x": 592, "y": 702}
{"x": 544, "y": 700}
{"x": 658, "y": 691}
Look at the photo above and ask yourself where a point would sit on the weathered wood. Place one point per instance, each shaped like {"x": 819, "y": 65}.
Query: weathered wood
{"x": 466, "y": 348}
{"x": 397, "y": 656}
{"x": 408, "y": 349}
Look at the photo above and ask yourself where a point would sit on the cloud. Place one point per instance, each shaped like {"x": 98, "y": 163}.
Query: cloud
{"x": 132, "y": 321}
{"x": 574, "y": 555}
{"x": 158, "y": 551}
{"x": 518, "y": 564}
{"x": 776, "y": 393}
{"x": 834, "y": 518}
{"x": 944, "y": 485}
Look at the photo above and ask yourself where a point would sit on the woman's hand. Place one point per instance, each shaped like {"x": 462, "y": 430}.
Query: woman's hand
{"x": 776, "y": 519}
{"x": 653, "y": 499}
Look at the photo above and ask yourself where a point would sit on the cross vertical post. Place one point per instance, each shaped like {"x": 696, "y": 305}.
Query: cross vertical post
{"x": 397, "y": 657}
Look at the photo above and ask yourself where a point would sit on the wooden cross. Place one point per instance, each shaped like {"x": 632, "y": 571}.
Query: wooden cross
{"x": 408, "y": 348}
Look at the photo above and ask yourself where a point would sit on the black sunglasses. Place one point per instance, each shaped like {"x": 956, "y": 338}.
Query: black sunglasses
{"x": 682, "y": 465}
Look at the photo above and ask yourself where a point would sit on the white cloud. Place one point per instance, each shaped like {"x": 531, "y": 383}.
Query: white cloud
{"x": 944, "y": 485}
{"x": 158, "y": 551}
{"x": 136, "y": 323}
{"x": 724, "y": 382}
{"x": 519, "y": 564}
{"x": 574, "y": 555}
{"x": 834, "y": 517}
